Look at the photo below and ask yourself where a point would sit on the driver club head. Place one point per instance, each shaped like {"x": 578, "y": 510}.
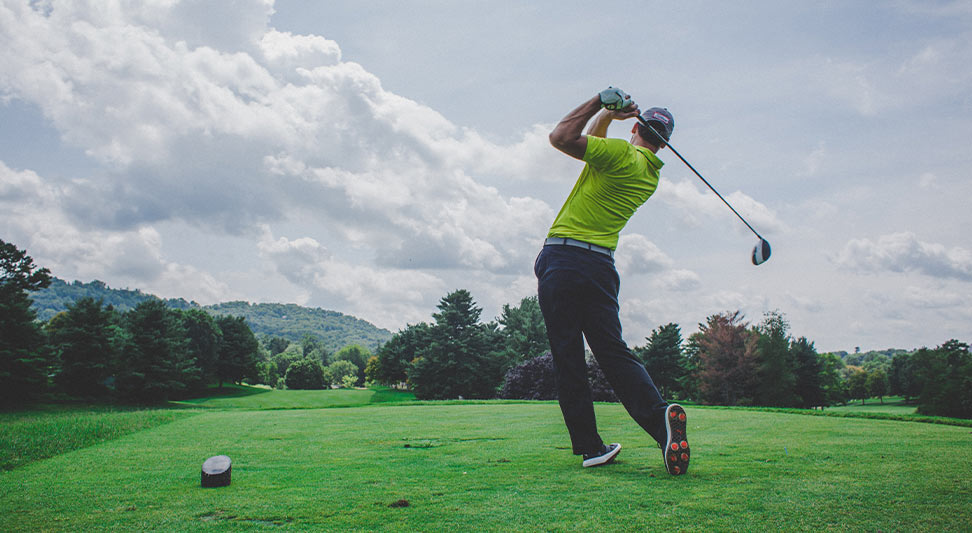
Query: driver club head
{"x": 761, "y": 252}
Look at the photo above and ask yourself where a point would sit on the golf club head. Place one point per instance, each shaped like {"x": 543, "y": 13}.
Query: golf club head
{"x": 761, "y": 252}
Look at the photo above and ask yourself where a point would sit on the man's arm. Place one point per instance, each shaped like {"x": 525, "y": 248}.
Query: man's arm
{"x": 567, "y": 135}
{"x": 599, "y": 127}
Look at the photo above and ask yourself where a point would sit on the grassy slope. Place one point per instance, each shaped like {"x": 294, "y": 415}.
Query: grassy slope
{"x": 499, "y": 467}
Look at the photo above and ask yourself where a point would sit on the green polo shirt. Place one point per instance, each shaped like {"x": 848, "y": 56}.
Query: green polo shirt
{"x": 616, "y": 180}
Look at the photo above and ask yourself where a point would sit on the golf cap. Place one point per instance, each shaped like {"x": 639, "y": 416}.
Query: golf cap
{"x": 659, "y": 116}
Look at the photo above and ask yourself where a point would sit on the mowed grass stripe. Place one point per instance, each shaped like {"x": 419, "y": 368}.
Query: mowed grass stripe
{"x": 33, "y": 435}
{"x": 504, "y": 467}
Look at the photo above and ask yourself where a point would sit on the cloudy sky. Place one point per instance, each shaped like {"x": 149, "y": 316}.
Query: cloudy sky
{"x": 371, "y": 157}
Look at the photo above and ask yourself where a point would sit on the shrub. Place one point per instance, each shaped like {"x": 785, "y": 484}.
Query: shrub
{"x": 534, "y": 379}
{"x": 601, "y": 390}
{"x": 304, "y": 374}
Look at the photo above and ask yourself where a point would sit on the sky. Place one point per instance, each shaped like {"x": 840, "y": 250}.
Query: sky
{"x": 370, "y": 158}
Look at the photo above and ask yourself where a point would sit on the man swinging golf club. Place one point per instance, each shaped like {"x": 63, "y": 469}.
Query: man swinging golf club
{"x": 578, "y": 284}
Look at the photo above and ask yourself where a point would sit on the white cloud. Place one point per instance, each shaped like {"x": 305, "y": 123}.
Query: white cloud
{"x": 201, "y": 126}
{"x": 692, "y": 204}
{"x": 903, "y": 252}
{"x": 815, "y": 159}
{"x": 927, "y": 180}
{"x": 227, "y": 133}
{"x": 36, "y": 219}
{"x": 637, "y": 255}
{"x": 389, "y": 297}
{"x": 850, "y": 83}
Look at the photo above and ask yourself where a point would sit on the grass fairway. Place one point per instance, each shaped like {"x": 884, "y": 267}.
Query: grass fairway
{"x": 499, "y": 467}
{"x": 243, "y": 397}
{"x": 892, "y": 404}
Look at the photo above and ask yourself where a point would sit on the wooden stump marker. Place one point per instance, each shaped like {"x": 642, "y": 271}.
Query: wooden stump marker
{"x": 216, "y": 471}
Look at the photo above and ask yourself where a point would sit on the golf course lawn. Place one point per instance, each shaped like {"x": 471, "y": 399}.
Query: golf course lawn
{"x": 497, "y": 467}
{"x": 892, "y": 405}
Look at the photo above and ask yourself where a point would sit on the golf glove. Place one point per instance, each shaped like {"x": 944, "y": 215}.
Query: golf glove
{"x": 614, "y": 99}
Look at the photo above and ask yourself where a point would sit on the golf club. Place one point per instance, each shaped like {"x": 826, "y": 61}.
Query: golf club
{"x": 761, "y": 252}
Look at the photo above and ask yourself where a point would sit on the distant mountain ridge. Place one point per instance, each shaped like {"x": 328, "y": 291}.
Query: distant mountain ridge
{"x": 289, "y": 321}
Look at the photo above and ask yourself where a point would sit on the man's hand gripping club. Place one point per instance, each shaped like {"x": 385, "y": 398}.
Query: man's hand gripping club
{"x": 568, "y": 135}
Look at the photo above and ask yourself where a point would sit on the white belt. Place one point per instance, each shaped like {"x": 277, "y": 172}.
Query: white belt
{"x": 565, "y": 241}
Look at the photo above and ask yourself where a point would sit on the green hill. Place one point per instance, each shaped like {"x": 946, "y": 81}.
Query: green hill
{"x": 289, "y": 321}
{"x": 292, "y": 322}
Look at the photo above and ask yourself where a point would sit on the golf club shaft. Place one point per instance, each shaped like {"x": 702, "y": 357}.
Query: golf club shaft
{"x": 672, "y": 148}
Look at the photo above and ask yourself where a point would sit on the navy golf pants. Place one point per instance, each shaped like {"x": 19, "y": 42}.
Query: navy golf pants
{"x": 578, "y": 293}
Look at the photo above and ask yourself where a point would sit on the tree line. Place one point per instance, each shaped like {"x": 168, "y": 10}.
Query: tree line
{"x": 149, "y": 353}
{"x": 153, "y": 352}
{"x": 728, "y": 361}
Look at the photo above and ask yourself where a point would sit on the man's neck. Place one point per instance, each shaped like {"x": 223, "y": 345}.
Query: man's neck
{"x": 637, "y": 140}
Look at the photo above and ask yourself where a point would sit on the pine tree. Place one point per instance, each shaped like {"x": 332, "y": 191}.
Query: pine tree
{"x": 239, "y": 350}
{"x": 808, "y": 371}
{"x": 664, "y": 360}
{"x": 156, "y": 364}
{"x": 776, "y": 381}
{"x": 85, "y": 340}
{"x": 524, "y": 331}
{"x": 23, "y": 358}
{"x": 204, "y": 338}
{"x": 463, "y": 358}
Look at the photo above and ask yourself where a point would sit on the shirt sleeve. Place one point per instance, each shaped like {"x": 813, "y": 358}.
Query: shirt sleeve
{"x": 606, "y": 154}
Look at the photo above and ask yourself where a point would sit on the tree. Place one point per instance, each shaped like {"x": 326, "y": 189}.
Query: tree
{"x": 464, "y": 357}
{"x": 664, "y": 360}
{"x": 23, "y": 361}
{"x": 727, "y": 358}
{"x": 358, "y": 356}
{"x": 371, "y": 369}
{"x": 396, "y": 355}
{"x": 339, "y": 371}
{"x": 305, "y": 373}
{"x": 266, "y": 373}
{"x": 690, "y": 384}
{"x": 808, "y": 371}
{"x": 204, "y": 338}
{"x": 831, "y": 383}
{"x": 901, "y": 377}
{"x": 283, "y": 360}
{"x": 877, "y": 384}
{"x": 524, "y": 331}
{"x": 946, "y": 377}
{"x": 776, "y": 381}
{"x": 313, "y": 347}
{"x": 85, "y": 342}
{"x": 239, "y": 350}
{"x": 156, "y": 364}
{"x": 857, "y": 383}
{"x": 276, "y": 345}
